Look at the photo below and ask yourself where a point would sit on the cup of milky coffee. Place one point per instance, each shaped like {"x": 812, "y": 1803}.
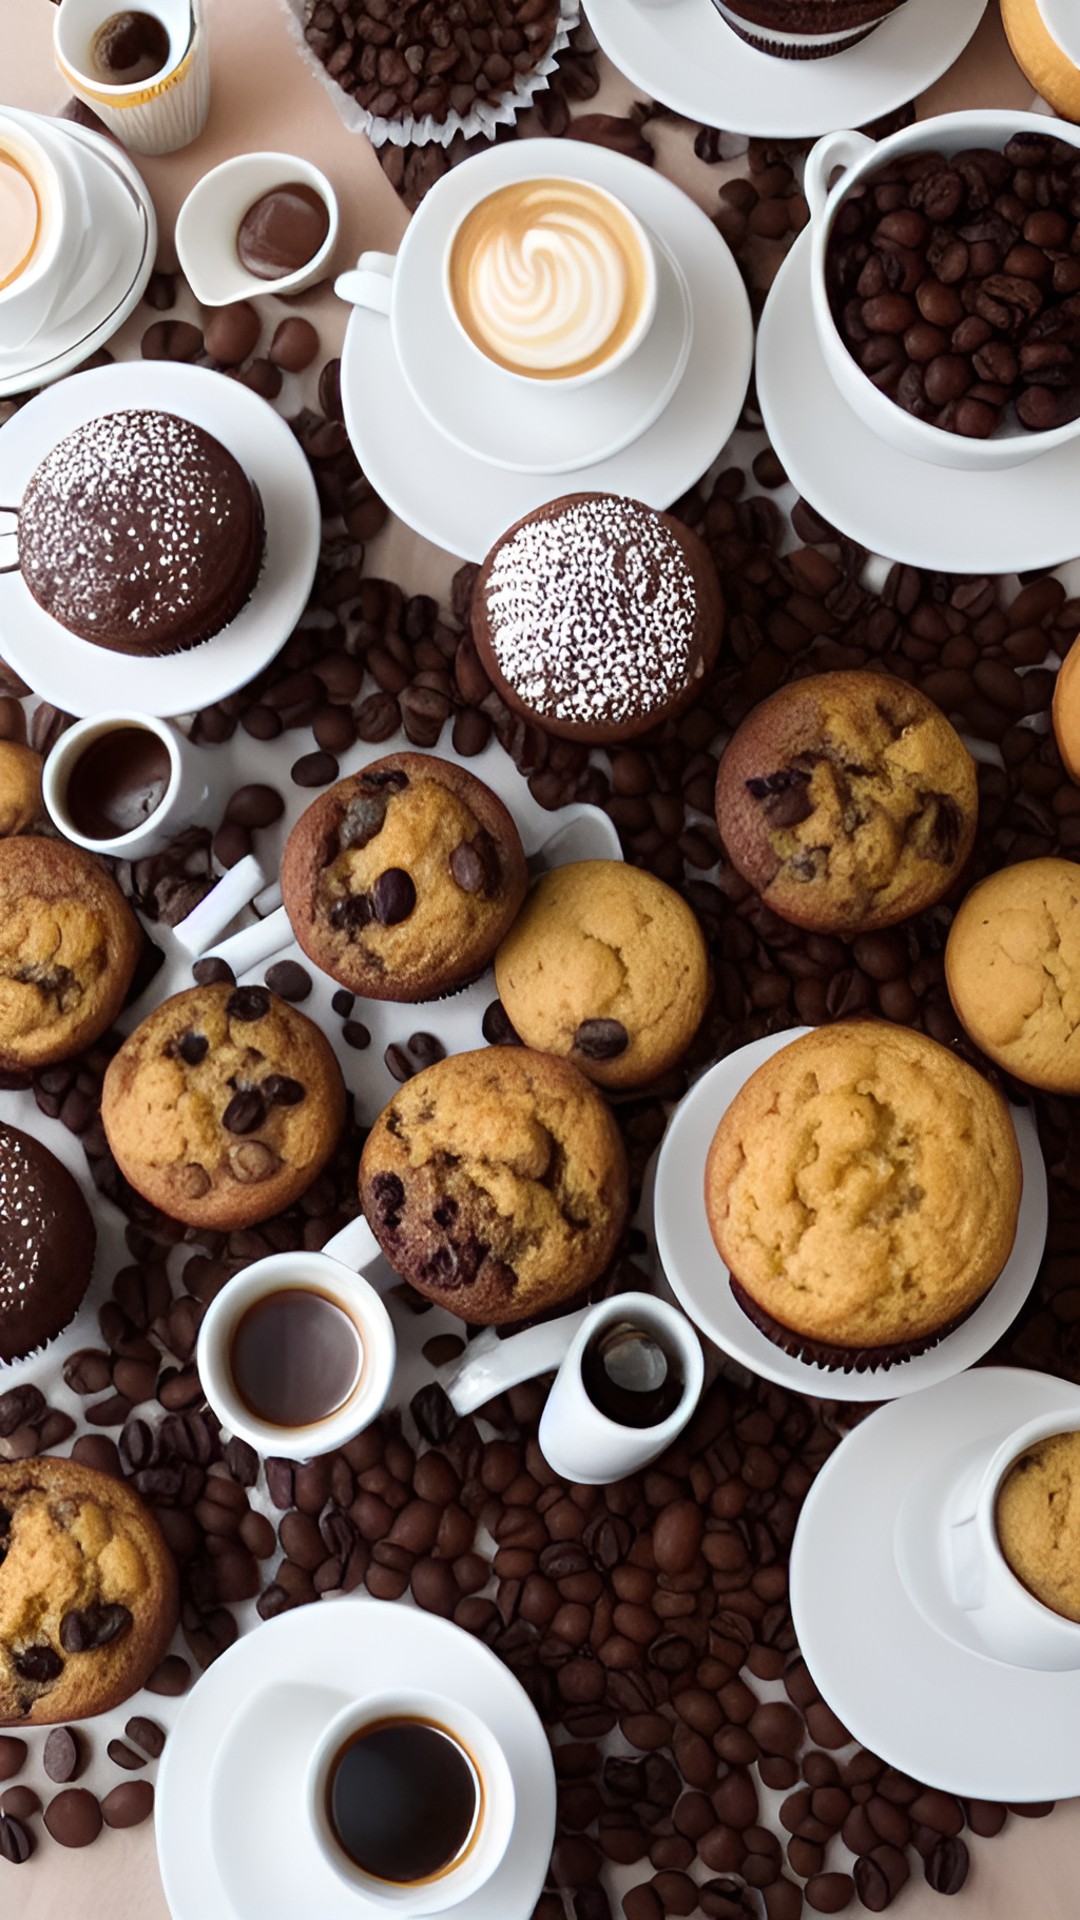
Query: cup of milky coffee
{"x": 126, "y": 783}
{"x": 1013, "y": 1547}
{"x": 297, "y": 1353}
{"x": 32, "y": 233}
{"x": 411, "y": 1801}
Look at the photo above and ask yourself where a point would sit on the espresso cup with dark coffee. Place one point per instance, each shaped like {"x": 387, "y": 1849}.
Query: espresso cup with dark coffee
{"x": 126, "y": 783}
{"x": 411, "y": 1801}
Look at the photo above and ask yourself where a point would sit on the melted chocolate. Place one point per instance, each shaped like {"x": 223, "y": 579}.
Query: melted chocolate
{"x": 117, "y": 783}
{"x": 282, "y": 231}
{"x": 129, "y": 47}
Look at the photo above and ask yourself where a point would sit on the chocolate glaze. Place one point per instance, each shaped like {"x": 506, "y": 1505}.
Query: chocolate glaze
{"x": 282, "y": 230}
{"x": 117, "y": 783}
{"x": 47, "y": 1242}
{"x": 129, "y": 47}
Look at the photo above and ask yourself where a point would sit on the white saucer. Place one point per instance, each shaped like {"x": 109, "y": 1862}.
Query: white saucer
{"x": 1008, "y": 522}
{"x": 529, "y": 427}
{"x": 463, "y": 503}
{"x": 231, "y": 1836}
{"x": 83, "y": 679}
{"x": 81, "y": 333}
{"x": 928, "y": 1704}
{"x": 683, "y": 53}
{"x": 699, "y": 1278}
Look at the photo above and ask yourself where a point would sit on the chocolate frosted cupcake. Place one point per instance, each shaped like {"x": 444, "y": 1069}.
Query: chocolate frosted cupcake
{"x": 597, "y": 617}
{"x": 863, "y": 1190}
{"x": 401, "y": 881}
{"x": 47, "y": 1241}
{"x": 141, "y": 533}
{"x": 804, "y": 29}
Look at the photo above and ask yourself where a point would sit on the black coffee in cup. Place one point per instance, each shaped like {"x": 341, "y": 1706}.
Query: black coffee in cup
{"x": 128, "y": 47}
{"x": 403, "y": 1799}
{"x": 117, "y": 782}
{"x": 295, "y": 1357}
{"x": 632, "y": 1374}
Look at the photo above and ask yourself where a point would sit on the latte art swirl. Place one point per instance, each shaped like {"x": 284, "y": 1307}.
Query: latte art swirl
{"x": 549, "y": 277}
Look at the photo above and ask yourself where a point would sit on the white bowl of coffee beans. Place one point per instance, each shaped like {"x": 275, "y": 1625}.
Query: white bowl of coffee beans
{"x": 946, "y": 284}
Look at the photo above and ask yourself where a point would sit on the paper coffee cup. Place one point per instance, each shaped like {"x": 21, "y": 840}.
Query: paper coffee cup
{"x": 158, "y": 115}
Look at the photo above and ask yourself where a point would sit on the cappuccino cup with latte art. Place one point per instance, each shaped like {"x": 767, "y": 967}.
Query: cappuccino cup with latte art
{"x": 551, "y": 279}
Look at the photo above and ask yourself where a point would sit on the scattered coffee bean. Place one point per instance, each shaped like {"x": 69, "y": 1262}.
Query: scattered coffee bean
{"x": 74, "y": 1817}
{"x": 16, "y": 1844}
{"x": 62, "y": 1756}
{"x": 128, "y": 1804}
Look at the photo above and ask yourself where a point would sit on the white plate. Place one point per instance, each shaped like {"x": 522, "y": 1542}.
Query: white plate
{"x": 699, "y": 1278}
{"x": 65, "y": 347}
{"x": 82, "y": 678}
{"x": 925, "y": 1702}
{"x": 530, "y": 427}
{"x": 463, "y": 503}
{"x": 231, "y": 1836}
{"x": 1008, "y": 522}
{"x": 683, "y": 53}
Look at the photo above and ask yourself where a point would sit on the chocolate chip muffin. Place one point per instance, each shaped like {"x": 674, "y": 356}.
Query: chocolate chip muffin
{"x": 141, "y": 533}
{"x": 848, "y": 801}
{"x": 223, "y": 1106}
{"x": 88, "y": 1592}
{"x": 401, "y": 881}
{"x": 47, "y": 1242}
{"x": 68, "y": 947}
{"x": 863, "y": 1189}
{"x": 607, "y": 967}
{"x": 597, "y": 617}
{"x": 1066, "y": 712}
{"x": 1037, "y": 1518}
{"x": 496, "y": 1183}
{"x": 20, "y": 787}
{"x": 1012, "y": 965}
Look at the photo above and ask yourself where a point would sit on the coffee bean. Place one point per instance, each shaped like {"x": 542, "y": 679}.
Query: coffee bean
{"x": 128, "y": 1804}
{"x": 12, "y": 1755}
{"x": 315, "y": 770}
{"x": 213, "y": 972}
{"x": 146, "y": 1734}
{"x": 74, "y": 1817}
{"x": 294, "y": 345}
{"x": 946, "y": 1866}
{"x": 290, "y": 981}
{"x": 96, "y": 1625}
{"x": 20, "y": 1803}
{"x": 829, "y": 1892}
{"x": 122, "y": 1755}
{"x": 601, "y": 1039}
{"x": 62, "y": 1756}
{"x": 16, "y": 1844}
{"x": 171, "y": 340}
{"x": 254, "y": 806}
{"x": 247, "y": 1004}
{"x": 232, "y": 333}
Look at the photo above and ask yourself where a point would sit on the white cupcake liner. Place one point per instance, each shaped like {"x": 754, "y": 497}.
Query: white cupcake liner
{"x": 484, "y": 119}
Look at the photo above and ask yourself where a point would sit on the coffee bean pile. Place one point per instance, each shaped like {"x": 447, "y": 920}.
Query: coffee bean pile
{"x": 955, "y": 283}
{"x": 413, "y": 58}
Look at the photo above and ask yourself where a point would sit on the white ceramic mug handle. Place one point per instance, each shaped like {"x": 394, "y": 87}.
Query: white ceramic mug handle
{"x": 833, "y": 150}
{"x": 355, "y": 1245}
{"x": 492, "y": 1365}
{"x": 370, "y": 282}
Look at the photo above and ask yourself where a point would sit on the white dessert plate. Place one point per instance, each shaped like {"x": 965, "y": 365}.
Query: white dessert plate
{"x": 229, "y": 1816}
{"x": 64, "y": 347}
{"x": 1008, "y": 522}
{"x": 462, "y": 502}
{"x": 683, "y": 53}
{"x": 82, "y": 678}
{"x": 529, "y": 427}
{"x": 699, "y": 1279}
{"x": 930, "y": 1705}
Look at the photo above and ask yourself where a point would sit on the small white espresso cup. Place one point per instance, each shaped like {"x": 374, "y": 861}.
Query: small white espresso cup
{"x": 1015, "y": 1626}
{"x": 495, "y": 1802}
{"x": 27, "y": 300}
{"x": 186, "y": 799}
{"x": 157, "y": 115}
{"x": 858, "y": 155}
{"x": 324, "y": 1273}
{"x": 378, "y": 279}
{"x": 576, "y": 1438}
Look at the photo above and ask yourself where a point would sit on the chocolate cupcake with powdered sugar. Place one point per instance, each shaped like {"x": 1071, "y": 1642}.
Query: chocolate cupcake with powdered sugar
{"x": 804, "y": 29}
{"x": 597, "y": 617}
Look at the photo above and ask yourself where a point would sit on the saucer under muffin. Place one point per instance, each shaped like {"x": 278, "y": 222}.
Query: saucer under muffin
{"x": 401, "y": 881}
{"x": 69, "y": 944}
{"x": 863, "y": 1190}
{"x": 597, "y": 617}
{"x": 848, "y": 802}
{"x": 607, "y": 967}
{"x": 88, "y": 1592}
{"x": 496, "y": 1183}
{"x": 141, "y": 533}
{"x": 223, "y": 1106}
{"x": 47, "y": 1242}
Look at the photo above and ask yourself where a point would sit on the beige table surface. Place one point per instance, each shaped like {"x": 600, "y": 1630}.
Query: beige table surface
{"x": 264, "y": 97}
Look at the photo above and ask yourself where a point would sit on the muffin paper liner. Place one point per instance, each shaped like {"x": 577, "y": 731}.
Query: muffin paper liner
{"x": 818, "y": 1353}
{"x": 484, "y": 118}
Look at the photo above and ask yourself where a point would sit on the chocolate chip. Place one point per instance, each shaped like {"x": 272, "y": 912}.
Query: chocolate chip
{"x": 128, "y": 1804}
{"x": 255, "y": 806}
{"x": 364, "y": 817}
{"x": 73, "y": 1817}
{"x": 97, "y": 1625}
{"x": 248, "y": 1003}
{"x": 281, "y": 1091}
{"x": 61, "y": 1757}
{"x": 393, "y": 897}
{"x": 352, "y": 911}
{"x": 601, "y": 1039}
{"x": 245, "y": 1111}
{"x": 253, "y": 1162}
{"x": 192, "y": 1047}
{"x": 171, "y": 1676}
{"x": 213, "y": 972}
{"x": 40, "y": 1664}
{"x": 12, "y": 1755}
{"x": 388, "y": 1193}
{"x": 314, "y": 770}
{"x": 16, "y": 1844}
{"x": 146, "y": 1734}
{"x": 20, "y": 1803}
{"x": 475, "y": 864}
{"x": 122, "y": 1755}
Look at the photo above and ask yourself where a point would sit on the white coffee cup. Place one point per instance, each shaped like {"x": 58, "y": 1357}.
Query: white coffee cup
{"x": 27, "y": 301}
{"x": 495, "y": 1810}
{"x": 156, "y": 115}
{"x": 858, "y": 155}
{"x": 188, "y": 798}
{"x": 576, "y": 1438}
{"x": 330, "y": 1274}
{"x": 1015, "y": 1626}
{"x": 209, "y": 220}
{"x": 375, "y": 282}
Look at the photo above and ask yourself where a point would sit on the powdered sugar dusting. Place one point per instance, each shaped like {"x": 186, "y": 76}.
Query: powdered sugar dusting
{"x": 592, "y": 610}
{"x": 130, "y": 522}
